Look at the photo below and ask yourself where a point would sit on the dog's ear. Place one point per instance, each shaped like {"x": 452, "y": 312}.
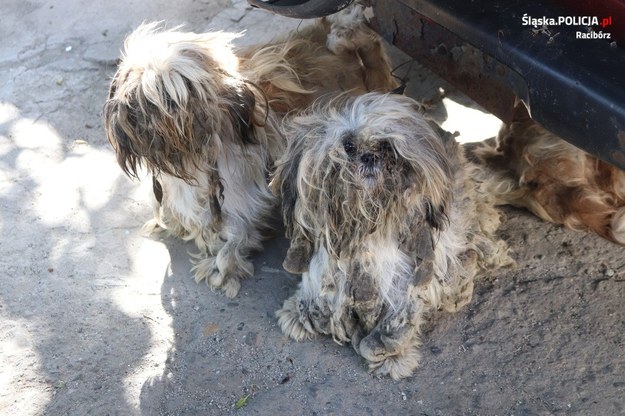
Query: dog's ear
{"x": 428, "y": 174}
{"x": 244, "y": 110}
{"x": 120, "y": 134}
{"x": 430, "y": 163}
{"x": 284, "y": 181}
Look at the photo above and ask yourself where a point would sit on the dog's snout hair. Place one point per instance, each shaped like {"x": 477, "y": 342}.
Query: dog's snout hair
{"x": 369, "y": 159}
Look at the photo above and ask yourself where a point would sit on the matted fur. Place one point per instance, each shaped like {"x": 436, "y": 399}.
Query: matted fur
{"x": 530, "y": 167}
{"x": 386, "y": 226}
{"x": 203, "y": 118}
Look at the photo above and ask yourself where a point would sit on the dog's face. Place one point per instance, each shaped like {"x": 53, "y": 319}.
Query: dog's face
{"x": 373, "y": 163}
{"x": 359, "y": 164}
{"x": 173, "y": 101}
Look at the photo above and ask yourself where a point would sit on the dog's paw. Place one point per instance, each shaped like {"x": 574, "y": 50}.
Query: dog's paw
{"x": 398, "y": 366}
{"x": 297, "y": 260}
{"x": 152, "y": 227}
{"x": 372, "y": 348}
{"x": 388, "y": 359}
{"x": 206, "y": 268}
{"x": 348, "y": 18}
{"x": 345, "y": 30}
{"x": 457, "y": 298}
{"x": 293, "y": 322}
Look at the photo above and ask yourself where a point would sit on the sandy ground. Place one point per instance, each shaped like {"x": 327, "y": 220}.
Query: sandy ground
{"x": 97, "y": 319}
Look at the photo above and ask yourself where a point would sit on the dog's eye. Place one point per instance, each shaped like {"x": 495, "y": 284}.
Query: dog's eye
{"x": 385, "y": 146}
{"x": 350, "y": 148}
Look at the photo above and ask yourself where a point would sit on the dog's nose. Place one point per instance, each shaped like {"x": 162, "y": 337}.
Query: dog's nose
{"x": 368, "y": 158}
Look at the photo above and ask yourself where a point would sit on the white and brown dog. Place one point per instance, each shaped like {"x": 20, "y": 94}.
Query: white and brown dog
{"x": 530, "y": 167}
{"x": 386, "y": 226}
{"x": 203, "y": 118}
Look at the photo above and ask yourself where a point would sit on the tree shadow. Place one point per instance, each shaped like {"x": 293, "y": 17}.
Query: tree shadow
{"x": 223, "y": 349}
{"x": 66, "y": 258}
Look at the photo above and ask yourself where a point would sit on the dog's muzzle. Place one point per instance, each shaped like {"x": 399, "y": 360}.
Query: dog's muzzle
{"x": 369, "y": 166}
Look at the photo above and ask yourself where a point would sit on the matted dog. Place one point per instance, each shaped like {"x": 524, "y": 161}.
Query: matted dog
{"x": 203, "y": 118}
{"x": 386, "y": 226}
{"x": 530, "y": 167}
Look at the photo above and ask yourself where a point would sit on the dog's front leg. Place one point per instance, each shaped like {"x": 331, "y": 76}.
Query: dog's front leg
{"x": 304, "y": 314}
{"x": 387, "y": 333}
{"x": 227, "y": 261}
{"x": 320, "y": 304}
{"x": 294, "y": 317}
{"x": 302, "y": 317}
{"x": 391, "y": 348}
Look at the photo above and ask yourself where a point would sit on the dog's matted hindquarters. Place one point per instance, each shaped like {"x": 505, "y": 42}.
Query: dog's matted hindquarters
{"x": 384, "y": 224}
{"x": 203, "y": 118}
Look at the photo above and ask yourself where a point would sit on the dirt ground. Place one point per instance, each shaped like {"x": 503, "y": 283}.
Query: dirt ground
{"x": 96, "y": 319}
